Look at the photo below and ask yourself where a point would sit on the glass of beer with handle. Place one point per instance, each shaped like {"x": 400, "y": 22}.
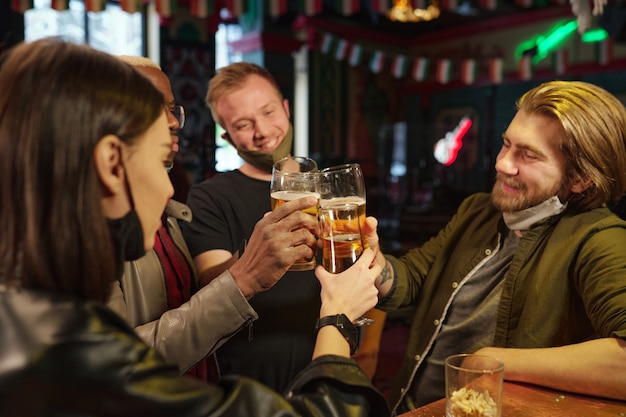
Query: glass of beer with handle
{"x": 295, "y": 177}
{"x": 344, "y": 184}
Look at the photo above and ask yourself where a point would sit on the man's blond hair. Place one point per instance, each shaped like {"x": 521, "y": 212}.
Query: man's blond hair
{"x": 230, "y": 78}
{"x": 139, "y": 61}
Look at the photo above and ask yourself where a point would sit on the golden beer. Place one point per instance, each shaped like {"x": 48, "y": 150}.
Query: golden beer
{"x": 340, "y": 251}
{"x": 360, "y": 201}
{"x": 279, "y": 198}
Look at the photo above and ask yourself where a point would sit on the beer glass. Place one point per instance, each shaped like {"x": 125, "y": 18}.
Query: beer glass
{"x": 295, "y": 177}
{"x": 342, "y": 243}
{"x": 344, "y": 184}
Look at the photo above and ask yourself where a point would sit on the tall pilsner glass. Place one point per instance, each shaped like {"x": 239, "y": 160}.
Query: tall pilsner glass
{"x": 342, "y": 241}
{"x": 342, "y": 184}
{"x": 295, "y": 177}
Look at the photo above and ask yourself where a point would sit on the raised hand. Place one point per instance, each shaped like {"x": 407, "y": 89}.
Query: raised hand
{"x": 279, "y": 239}
{"x": 351, "y": 292}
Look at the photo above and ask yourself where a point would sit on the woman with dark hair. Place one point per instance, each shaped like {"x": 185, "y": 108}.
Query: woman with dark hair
{"x": 83, "y": 143}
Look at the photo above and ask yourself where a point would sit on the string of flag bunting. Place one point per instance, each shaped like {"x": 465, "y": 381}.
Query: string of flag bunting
{"x": 205, "y": 8}
{"x": 273, "y": 8}
{"x": 444, "y": 70}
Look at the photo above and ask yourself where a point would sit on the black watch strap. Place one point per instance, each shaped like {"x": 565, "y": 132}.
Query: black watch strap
{"x": 345, "y": 326}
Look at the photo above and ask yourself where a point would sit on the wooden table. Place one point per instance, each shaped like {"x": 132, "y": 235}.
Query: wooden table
{"x": 521, "y": 400}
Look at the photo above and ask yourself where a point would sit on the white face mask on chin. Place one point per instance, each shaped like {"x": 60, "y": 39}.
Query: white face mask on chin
{"x": 523, "y": 219}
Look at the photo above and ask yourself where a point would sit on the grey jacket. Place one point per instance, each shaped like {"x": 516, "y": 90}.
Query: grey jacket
{"x": 185, "y": 335}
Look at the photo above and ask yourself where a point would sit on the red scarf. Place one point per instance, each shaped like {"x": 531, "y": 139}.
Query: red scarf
{"x": 179, "y": 286}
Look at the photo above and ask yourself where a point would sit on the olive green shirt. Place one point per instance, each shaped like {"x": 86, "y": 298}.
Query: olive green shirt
{"x": 566, "y": 282}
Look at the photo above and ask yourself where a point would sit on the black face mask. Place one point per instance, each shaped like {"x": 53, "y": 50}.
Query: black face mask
{"x": 127, "y": 235}
{"x": 265, "y": 160}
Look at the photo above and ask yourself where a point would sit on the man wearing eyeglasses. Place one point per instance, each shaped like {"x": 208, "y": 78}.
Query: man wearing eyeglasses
{"x": 153, "y": 289}
{"x": 182, "y": 316}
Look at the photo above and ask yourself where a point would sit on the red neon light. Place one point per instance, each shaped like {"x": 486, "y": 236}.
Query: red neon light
{"x": 447, "y": 149}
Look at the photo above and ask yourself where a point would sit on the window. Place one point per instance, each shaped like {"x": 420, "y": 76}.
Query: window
{"x": 226, "y": 157}
{"x": 112, "y": 30}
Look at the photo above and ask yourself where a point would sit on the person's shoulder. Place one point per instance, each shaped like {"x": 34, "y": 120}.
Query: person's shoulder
{"x": 209, "y": 188}
{"x": 597, "y": 219}
{"x": 222, "y": 179}
{"x": 178, "y": 210}
{"x": 51, "y": 311}
{"x": 479, "y": 201}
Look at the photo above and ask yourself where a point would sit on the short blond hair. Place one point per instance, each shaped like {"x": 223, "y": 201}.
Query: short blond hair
{"x": 139, "y": 61}
{"x": 230, "y": 78}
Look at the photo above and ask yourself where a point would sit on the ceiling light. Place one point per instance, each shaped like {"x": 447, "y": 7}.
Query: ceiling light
{"x": 403, "y": 11}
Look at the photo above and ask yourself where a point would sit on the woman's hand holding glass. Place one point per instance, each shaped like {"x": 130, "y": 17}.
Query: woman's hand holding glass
{"x": 351, "y": 292}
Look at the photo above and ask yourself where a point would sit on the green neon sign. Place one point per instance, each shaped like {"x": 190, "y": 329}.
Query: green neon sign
{"x": 595, "y": 35}
{"x": 542, "y": 45}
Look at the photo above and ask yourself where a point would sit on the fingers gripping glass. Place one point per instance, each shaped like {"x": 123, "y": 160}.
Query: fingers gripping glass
{"x": 179, "y": 113}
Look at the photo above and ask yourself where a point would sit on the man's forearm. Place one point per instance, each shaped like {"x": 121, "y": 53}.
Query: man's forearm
{"x": 596, "y": 367}
{"x": 385, "y": 281}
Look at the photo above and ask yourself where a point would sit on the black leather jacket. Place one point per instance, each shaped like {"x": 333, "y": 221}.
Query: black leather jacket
{"x": 65, "y": 357}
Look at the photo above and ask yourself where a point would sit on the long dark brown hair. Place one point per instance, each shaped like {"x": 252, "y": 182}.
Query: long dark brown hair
{"x": 58, "y": 100}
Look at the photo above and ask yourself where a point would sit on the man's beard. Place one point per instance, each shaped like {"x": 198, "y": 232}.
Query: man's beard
{"x": 524, "y": 199}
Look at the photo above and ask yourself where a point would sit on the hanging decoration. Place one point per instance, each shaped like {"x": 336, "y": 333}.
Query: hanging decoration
{"x": 420, "y": 68}
{"x": 496, "y": 70}
{"x": 468, "y": 71}
{"x": 327, "y": 41}
{"x": 342, "y": 50}
{"x": 444, "y": 70}
{"x": 165, "y": 8}
{"x": 356, "y": 52}
{"x": 347, "y": 7}
{"x": 311, "y": 7}
{"x": 402, "y": 10}
{"x": 526, "y": 67}
{"x": 377, "y": 62}
{"x": 398, "y": 66}
{"x": 198, "y": 8}
{"x": 276, "y": 7}
{"x": 604, "y": 51}
{"x": 559, "y": 61}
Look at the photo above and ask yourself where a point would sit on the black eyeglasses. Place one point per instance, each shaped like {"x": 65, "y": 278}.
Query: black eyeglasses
{"x": 179, "y": 113}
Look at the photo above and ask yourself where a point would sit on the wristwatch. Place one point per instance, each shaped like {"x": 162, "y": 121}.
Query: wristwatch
{"x": 346, "y": 328}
